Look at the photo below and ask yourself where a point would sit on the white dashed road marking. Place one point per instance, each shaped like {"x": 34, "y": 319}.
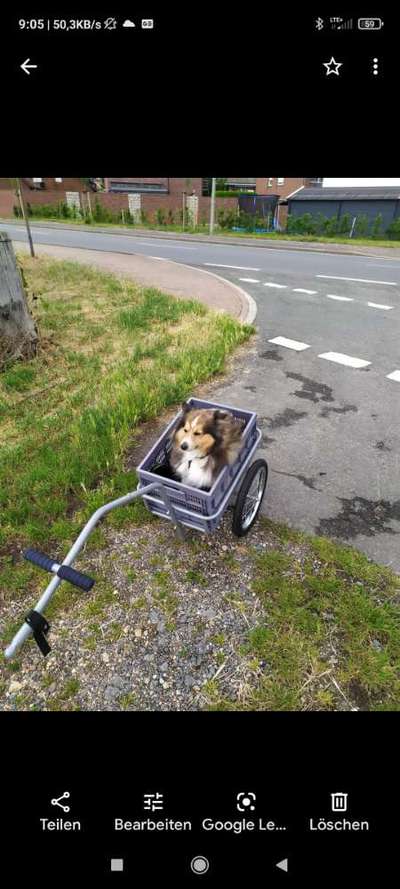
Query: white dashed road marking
{"x": 394, "y": 376}
{"x": 348, "y": 360}
{"x": 289, "y": 344}
{"x": 280, "y": 286}
{"x": 345, "y": 299}
{"x": 361, "y": 280}
{"x": 250, "y": 280}
{"x": 243, "y": 268}
{"x": 300, "y": 290}
{"x": 378, "y": 306}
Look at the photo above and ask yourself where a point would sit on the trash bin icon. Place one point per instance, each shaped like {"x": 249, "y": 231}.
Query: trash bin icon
{"x": 339, "y": 802}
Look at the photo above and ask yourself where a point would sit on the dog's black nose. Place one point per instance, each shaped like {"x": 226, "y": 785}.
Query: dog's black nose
{"x": 184, "y": 446}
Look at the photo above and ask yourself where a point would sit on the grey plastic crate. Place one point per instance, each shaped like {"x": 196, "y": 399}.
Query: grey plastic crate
{"x": 196, "y": 508}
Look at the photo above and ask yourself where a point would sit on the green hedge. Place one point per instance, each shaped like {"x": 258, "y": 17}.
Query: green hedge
{"x": 329, "y": 226}
{"x": 231, "y": 194}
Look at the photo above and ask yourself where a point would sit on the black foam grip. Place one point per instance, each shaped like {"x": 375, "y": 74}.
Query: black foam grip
{"x": 33, "y": 555}
{"x": 76, "y": 577}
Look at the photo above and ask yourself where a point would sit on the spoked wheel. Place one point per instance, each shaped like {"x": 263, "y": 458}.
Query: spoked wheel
{"x": 249, "y": 498}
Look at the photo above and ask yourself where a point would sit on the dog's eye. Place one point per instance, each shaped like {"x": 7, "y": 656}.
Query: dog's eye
{"x": 197, "y": 433}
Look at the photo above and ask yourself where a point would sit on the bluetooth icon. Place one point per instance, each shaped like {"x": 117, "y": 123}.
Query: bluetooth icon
{"x": 319, "y": 24}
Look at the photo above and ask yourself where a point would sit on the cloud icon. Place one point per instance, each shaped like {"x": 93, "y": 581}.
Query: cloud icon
{"x": 128, "y": 24}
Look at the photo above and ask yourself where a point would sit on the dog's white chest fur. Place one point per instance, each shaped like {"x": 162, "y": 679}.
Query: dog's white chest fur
{"x": 195, "y": 472}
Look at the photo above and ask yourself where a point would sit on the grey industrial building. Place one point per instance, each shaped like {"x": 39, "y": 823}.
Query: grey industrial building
{"x": 369, "y": 201}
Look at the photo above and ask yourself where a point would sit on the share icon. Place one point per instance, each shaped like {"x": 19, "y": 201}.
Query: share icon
{"x": 56, "y": 802}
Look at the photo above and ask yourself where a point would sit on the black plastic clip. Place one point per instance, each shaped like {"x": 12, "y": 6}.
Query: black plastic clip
{"x": 39, "y": 626}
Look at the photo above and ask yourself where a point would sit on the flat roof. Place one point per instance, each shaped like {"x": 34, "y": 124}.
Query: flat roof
{"x": 377, "y": 192}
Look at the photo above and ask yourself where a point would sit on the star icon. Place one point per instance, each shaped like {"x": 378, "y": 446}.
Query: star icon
{"x": 332, "y": 67}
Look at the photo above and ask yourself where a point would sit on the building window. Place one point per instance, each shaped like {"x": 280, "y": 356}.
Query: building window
{"x": 57, "y": 180}
{"x": 37, "y": 181}
{"x": 138, "y": 187}
{"x": 281, "y": 181}
{"x": 269, "y": 183}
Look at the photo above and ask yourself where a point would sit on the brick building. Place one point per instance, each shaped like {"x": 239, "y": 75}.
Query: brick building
{"x": 284, "y": 188}
{"x": 115, "y": 194}
{"x": 39, "y": 191}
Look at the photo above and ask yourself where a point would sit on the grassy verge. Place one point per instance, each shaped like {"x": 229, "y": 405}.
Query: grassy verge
{"x": 113, "y": 354}
{"x": 329, "y": 637}
{"x": 223, "y": 232}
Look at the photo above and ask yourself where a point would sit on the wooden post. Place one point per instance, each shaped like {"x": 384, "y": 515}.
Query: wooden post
{"x": 25, "y": 216}
{"x": 18, "y": 334}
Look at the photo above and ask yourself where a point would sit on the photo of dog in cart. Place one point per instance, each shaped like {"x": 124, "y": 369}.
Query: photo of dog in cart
{"x": 204, "y": 458}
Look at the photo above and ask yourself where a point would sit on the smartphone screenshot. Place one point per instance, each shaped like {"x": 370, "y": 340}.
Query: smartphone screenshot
{"x": 199, "y": 445}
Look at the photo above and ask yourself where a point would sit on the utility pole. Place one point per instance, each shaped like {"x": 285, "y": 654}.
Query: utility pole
{"x": 212, "y": 206}
{"x": 25, "y": 215}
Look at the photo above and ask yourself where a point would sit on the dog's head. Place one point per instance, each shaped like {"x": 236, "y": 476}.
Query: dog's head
{"x": 198, "y": 433}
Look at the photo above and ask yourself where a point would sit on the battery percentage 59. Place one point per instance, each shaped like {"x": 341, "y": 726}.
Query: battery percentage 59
{"x": 370, "y": 24}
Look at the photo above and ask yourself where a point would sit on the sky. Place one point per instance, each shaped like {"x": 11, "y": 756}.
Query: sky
{"x": 347, "y": 183}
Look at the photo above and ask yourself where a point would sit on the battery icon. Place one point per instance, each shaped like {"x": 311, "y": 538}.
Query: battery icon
{"x": 370, "y": 24}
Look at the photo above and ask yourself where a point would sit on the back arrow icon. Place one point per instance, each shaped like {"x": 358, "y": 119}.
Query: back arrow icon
{"x": 25, "y": 66}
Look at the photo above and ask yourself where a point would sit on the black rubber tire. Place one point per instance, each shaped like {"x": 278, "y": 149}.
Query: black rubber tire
{"x": 237, "y": 521}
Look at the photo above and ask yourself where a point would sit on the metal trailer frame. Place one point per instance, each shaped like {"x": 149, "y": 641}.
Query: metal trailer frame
{"x": 162, "y": 505}
{"x": 26, "y": 630}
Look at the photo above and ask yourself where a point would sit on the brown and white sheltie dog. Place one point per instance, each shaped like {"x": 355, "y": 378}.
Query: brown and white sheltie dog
{"x": 205, "y": 441}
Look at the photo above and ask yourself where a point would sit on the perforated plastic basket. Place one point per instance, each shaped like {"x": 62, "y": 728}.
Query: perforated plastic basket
{"x": 194, "y": 506}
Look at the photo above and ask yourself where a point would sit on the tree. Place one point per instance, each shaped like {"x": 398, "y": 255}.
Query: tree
{"x": 18, "y": 333}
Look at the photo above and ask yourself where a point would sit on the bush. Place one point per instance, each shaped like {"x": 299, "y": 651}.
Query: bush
{"x": 160, "y": 216}
{"x": 331, "y": 226}
{"x": 302, "y": 225}
{"x": 224, "y": 193}
{"x": 393, "y": 230}
{"x": 170, "y": 217}
{"x": 225, "y": 218}
{"x": 246, "y": 221}
{"x": 362, "y": 225}
{"x": 17, "y": 211}
{"x": 377, "y": 226}
{"x": 344, "y": 224}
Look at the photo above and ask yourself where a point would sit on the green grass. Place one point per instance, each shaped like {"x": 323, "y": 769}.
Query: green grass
{"x": 329, "y": 616}
{"x": 112, "y": 355}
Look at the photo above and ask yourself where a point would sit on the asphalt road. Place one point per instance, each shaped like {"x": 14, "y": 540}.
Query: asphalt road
{"x": 319, "y": 379}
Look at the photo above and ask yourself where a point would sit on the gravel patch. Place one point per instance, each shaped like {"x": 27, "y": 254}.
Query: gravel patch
{"x": 165, "y": 621}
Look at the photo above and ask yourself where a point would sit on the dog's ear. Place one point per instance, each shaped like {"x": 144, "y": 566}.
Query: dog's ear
{"x": 212, "y": 429}
{"x": 220, "y": 415}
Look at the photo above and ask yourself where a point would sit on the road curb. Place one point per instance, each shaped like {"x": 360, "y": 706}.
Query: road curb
{"x": 248, "y": 305}
{"x": 249, "y": 312}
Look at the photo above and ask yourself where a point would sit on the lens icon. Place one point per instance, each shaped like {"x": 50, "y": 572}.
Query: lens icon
{"x": 199, "y": 864}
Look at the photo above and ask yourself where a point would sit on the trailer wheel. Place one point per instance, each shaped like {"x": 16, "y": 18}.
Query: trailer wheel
{"x": 249, "y": 498}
